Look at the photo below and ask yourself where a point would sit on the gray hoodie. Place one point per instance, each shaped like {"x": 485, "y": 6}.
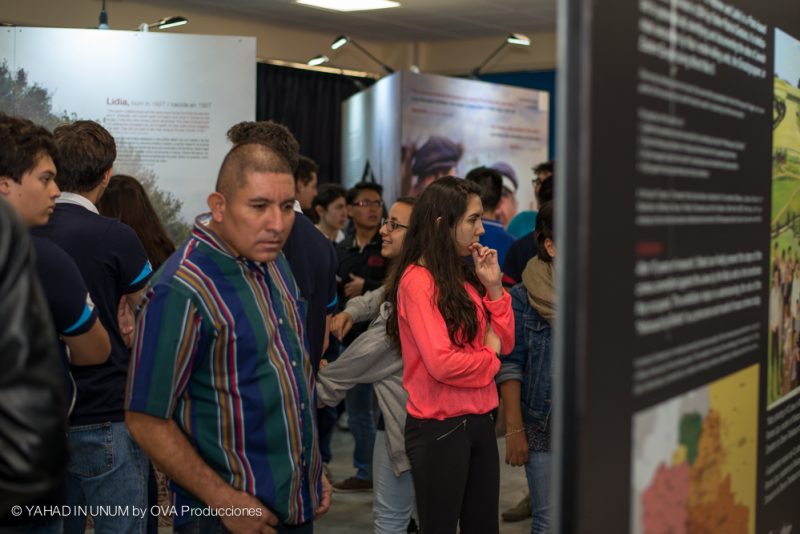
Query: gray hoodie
{"x": 372, "y": 359}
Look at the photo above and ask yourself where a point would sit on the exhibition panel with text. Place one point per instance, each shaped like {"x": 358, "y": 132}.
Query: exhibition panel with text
{"x": 680, "y": 344}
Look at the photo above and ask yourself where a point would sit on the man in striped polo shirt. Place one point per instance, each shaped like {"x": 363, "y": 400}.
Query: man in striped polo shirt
{"x": 221, "y": 389}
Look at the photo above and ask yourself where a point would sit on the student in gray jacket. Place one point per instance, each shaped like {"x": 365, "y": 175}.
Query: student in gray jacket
{"x": 373, "y": 359}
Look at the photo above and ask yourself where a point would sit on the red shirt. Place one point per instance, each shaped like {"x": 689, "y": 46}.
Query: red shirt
{"x": 442, "y": 379}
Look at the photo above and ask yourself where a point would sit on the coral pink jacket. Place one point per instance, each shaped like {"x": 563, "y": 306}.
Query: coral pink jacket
{"x": 444, "y": 380}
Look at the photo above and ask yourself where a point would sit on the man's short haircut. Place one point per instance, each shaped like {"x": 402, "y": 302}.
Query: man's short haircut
{"x": 243, "y": 160}
{"x": 305, "y": 167}
{"x": 407, "y": 200}
{"x": 545, "y": 166}
{"x": 491, "y": 183}
{"x": 270, "y": 134}
{"x": 22, "y": 144}
{"x": 327, "y": 194}
{"x": 86, "y": 152}
{"x": 353, "y": 192}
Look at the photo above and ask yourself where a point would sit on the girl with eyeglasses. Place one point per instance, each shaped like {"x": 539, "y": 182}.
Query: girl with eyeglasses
{"x": 451, "y": 319}
{"x": 373, "y": 359}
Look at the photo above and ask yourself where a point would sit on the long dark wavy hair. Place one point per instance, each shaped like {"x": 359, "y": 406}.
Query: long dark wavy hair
{"x": 430, "y": 243}
{"x": 126, "y": 200}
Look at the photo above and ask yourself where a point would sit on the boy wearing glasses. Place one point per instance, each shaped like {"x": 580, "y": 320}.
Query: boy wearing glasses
{"x": 361, "y": 269}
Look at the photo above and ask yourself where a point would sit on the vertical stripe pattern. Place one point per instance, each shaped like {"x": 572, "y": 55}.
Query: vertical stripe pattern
{"x": 220, "y": 348}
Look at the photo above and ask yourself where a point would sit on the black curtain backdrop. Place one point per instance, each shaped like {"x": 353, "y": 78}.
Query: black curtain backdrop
{"x": 309, "y": 103}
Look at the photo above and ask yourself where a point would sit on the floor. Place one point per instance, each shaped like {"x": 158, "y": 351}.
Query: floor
{"x": 352, "y": 512}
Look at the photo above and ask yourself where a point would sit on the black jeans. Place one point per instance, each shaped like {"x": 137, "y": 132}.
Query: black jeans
{"x": 213, "y": 525}
{"x": 456, "y": 472}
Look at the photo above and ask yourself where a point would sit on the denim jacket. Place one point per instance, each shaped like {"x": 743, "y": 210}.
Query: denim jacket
{"x": 531, "y": 360}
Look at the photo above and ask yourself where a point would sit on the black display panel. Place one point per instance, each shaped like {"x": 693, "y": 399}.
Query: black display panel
{"x": 678, "y": 352}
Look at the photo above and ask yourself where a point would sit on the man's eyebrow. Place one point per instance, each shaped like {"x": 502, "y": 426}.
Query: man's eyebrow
{"x": 270, "y": 200}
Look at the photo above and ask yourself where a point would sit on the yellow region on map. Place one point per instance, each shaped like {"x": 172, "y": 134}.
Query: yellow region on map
{"x": 735, "y": 398}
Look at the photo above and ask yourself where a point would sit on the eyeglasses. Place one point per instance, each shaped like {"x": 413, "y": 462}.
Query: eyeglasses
{"x": 392, "y": 225}
{"x": 368, "y": 203}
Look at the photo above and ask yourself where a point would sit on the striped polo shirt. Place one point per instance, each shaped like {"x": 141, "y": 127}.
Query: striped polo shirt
{"x": 221, "y": 349}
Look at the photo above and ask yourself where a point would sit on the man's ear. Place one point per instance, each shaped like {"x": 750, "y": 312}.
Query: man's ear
{"x": 5, "y": 185}
{"x": 320, "y": 211}
{"x": 107, "y": 177}
{"x": 216, "y": 203}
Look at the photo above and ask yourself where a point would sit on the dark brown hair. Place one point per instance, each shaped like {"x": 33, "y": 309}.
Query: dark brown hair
{"x": 126, "y": 200}
{"x": 491, "y": 183}
{"x": 429, "y": 241}
{"x": 22, "y": 145}
{"x": 272, "y": 135}
{"x": 305, "y": 167}
{"x": 544, "y": 230}
{"x": 407, "y": 200}
{"x": 86, "y": 152}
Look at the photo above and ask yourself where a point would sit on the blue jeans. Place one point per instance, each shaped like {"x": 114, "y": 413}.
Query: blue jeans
{"x": 106, "y": 468}
{"x": 537, "y": 470}
{"x": 362, "y": 426}
{"x": 393, "y": 503}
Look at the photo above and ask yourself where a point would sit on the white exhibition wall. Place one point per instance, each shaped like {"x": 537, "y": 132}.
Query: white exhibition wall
{"x": 167, "y": 99}
{"x": 387, "y": 127}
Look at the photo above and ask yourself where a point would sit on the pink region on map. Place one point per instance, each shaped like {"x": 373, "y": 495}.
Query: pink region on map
{"x": 665, "y": 502}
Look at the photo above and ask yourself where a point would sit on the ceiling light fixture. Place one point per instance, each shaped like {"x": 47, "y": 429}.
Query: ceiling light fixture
{"x": 163, "y": 24}
{"x": 318, "y": 60}
{"x": 343, "y": 40}
{"x": 349, "y": 5}
{"x": 103, "y": 19}
{"x": 513, "y": 39}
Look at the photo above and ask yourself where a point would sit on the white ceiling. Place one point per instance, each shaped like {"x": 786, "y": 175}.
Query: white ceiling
{"x": 415, "y": 20}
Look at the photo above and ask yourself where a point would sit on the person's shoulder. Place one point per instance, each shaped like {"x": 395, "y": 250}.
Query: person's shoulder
{"x": 47, "y": 250}
{"x": 308, "y": 231}
{"x": 524, "y": 243}
{"x": 519, "y": 294}
{"x": 181, "y": 270}
{"x": 52, "y": 259}
{"x": 416, "y": 274}
{"x": 117, "y": 228}
{"x": 522, "y": 240}
{"x": 302, "y": 225}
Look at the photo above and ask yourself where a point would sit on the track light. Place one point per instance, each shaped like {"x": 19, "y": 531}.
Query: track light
{"x": 343, "y": 40}
{"x": 163, "y": 24}
{"x": 340, "y": 42}
{"x": 518, "y": 39}
{"x": 348, "y": 5}
{"x": 318, "y": 60}
{"x": 513, "y": 39}
{"x": 103, "y": 19}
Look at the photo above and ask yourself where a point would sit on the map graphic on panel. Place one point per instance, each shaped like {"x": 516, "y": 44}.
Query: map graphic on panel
{"x": 694, "y": 460}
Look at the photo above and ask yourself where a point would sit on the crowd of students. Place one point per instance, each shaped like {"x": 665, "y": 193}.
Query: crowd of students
{"x": 220, "y": 362}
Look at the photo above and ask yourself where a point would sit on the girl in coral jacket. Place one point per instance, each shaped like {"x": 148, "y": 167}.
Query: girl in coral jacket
{"x": 451, "y": 318}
